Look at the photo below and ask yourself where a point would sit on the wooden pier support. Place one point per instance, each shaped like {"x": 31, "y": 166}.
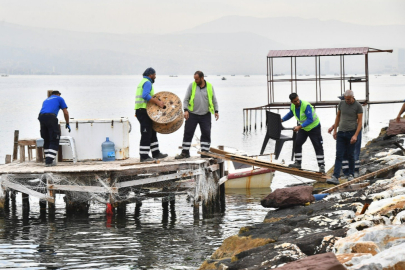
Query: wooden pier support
{"x": 138, "y": 206}
{"x": 165, "y": 208}
{"x": 15, "y": 146}
{"x": 196, "y": 210}
{"x": 13, "y": 202}
{"x": 221, "y": 187}
{"x": 42, "y": 207}
{"x": 76, "y": 208}
{"x": 25, "y": 204}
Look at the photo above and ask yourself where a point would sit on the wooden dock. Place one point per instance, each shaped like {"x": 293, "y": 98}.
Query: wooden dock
{"x": 118, "y": 182}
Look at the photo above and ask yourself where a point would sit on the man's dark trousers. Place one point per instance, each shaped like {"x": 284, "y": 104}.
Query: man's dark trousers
{"x": 191, "y": 124}
{"x": 315, "y": 136}
{"x": 149, "y": 141}
{"x": 357, "y": 149}
{"x": 50, "y": 132}
{"x": 343, "y": 144}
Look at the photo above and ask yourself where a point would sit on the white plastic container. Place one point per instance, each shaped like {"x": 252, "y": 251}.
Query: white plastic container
{"x": 89, "y": 134}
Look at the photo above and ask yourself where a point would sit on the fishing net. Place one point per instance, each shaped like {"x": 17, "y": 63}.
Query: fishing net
{"x": 197, "y": 181}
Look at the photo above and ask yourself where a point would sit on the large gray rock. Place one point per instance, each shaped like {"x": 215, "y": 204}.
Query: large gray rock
{"x": 286, "y": 197}
{"x": 396, "y": 128}
{"x": 325, "y": 261}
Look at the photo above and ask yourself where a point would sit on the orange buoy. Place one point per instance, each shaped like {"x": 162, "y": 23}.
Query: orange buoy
{"x": 168, "y": 119}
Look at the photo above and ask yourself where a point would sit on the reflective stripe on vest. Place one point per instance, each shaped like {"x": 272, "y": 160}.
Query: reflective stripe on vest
{"x": 303, "y": 117}
{"x": 139, "y": 101}
{"x": 209, "y": 92}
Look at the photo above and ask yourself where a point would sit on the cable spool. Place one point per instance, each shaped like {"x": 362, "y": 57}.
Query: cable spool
{"x": 168, "y": 119}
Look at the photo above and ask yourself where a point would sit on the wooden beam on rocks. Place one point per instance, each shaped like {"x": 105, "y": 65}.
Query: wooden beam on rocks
{"x": 216, "y": 153}
{"x": 362, "y": 178}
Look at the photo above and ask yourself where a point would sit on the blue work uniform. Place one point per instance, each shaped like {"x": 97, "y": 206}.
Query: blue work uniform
{"x": 50, "y": 131}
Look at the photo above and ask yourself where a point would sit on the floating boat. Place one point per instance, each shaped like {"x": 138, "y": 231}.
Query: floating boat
{"x": 232, "y": 74}
{"x": 4, "y": 75}
{"x": 223, "y": 78}
{"x": 247, "y": 75}
{"x": 245, "y": 176}
{"x": 394, "y": 75}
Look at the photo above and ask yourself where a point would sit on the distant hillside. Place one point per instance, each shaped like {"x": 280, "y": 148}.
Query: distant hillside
{"x": 44, "y": 51}
{"x": 230, "y": 45}
{"x": 309, "y": 33}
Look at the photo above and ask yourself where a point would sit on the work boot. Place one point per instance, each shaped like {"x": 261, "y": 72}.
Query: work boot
{"x": 296, "y": 164}
{"x": 147, "y": 159}
{"x": 204, "y": 156}
{"x": 50, "y": 164}
{"x": 322, "y": 169}
{"x": 160, "y": 156}
{"x": 182, "y": 156}
{"x": 333, "y": 180}
{"x": 350, "y": 178}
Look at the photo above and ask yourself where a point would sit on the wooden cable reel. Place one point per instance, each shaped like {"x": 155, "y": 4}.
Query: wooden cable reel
{"x": 168, "y": 119}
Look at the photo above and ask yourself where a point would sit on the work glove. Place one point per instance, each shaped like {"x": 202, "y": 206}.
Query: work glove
{"x": 68, "y": 127}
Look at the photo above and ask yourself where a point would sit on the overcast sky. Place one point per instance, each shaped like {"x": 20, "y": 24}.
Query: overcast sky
{"x": 165, "y": 16}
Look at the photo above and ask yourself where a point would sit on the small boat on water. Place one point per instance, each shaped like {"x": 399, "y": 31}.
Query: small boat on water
{"x": 394, "y": 75}
{"x": 232, "y": 74}
{"x": 223, "y": 78}
{"x": 247, "y": 75}
{"x": 245, "y": 176}
{"x": 4, "y": 75}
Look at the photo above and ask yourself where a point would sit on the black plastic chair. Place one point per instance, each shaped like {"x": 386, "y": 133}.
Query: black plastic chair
{"x": 274, "y": 128}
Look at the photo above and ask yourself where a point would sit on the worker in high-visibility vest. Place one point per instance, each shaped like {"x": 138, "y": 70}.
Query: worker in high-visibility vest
{"x": 144, "y": 94}
{"x": 309, "y": 126}
{"x": 199, "y": 103}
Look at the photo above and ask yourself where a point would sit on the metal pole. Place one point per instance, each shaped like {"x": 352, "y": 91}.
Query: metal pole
{"x": 341, "y": 84}
{"x": 291, "y": 74}
{"x": 250, "y": 121}
{"x": 255, "y": 118}
{"x": 367, "y": 83}
{"x": 268, "y": 81}
{"x": 320, "y": 74}
{"x": 243, "y": 112}
{"x": 261, "y": 118}
{"x": 295, "y": 66}
{"x": 344, "y": 75}
{"x": 272, "y": 79}
{"x": 316, "y": 79}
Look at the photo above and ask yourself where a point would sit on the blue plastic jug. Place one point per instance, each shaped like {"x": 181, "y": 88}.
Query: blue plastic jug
{"x": 108, "y": 150}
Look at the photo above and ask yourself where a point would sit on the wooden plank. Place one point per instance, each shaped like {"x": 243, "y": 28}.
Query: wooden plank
{"x": 180, "y": 174}
{"x": 140, "y": 163}
{"x": 15, "y": 146}
{"x": 26, "y": 190}
{"x": 265, "y": 164}
{"x": 8, "y": 159}
{"x": 83, "y": 188}
{"x": 361, "y": 178}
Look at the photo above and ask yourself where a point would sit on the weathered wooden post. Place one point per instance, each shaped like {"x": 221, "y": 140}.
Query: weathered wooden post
{"x": 196, "y": 209}
{"x": 165, "y": 207}
{"x": 222, "y": 187}
{"x": 51, "y": 193}
{"x": 15, "y": 149}
{"x": 8, "y": 159}
{"x": 25, "y": 204}
{"x": 138, "y": 209}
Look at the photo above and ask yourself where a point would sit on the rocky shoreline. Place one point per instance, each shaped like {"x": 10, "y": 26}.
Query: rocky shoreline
{"x": 345, "y": 230}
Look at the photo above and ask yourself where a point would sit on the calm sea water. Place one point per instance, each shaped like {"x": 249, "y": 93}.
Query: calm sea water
{"x": 150, "y": 242}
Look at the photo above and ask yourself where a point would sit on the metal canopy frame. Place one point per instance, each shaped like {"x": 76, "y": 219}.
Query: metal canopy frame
{"x": 318, "y": 103}
{"x": 317, "y": 54}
